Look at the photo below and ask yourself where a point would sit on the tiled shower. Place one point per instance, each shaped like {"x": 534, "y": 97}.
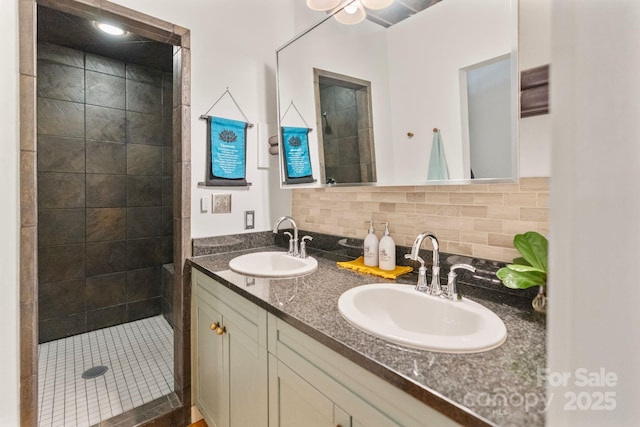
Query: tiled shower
{"x": 104, "y": 190}
{"x": 105, "y": 217}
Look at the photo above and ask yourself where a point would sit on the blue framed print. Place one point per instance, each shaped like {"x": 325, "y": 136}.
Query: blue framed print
{"x": 297, "y": 160}
{"x": 226, "y": 152}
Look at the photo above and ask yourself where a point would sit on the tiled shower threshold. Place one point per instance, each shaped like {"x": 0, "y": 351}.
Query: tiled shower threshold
{"x": 139, "y": 358}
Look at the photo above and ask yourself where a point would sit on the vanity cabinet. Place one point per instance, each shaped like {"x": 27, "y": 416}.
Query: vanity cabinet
{"x": 230, "y": 356}
{"x": 261, "y": 371}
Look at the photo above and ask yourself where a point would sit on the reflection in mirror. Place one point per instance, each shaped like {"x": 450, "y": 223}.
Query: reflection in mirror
{"x": 430, "y": 70}
{"x": 485, "y": 90}
{"x": 345, "y": 132}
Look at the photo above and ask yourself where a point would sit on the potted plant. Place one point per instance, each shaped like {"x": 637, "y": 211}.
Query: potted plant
{"x": 530, "y": 269}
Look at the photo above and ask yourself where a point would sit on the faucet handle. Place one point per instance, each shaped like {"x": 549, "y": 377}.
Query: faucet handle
{"x": 467, "y": 267}
{"x": 408, "y": 256}
{"x": 422, "y": 273}
{"x": 452, "y": 289}
{"x": 303, "y": 246}
{"x": 286, "y": 233}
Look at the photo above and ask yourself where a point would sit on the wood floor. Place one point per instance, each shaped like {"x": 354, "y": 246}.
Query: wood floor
{"x": 200, "y": 423}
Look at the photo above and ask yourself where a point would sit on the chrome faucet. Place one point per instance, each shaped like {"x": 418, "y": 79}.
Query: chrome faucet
{"x": 434, "y": 288}
{"x": 293, "y": 242}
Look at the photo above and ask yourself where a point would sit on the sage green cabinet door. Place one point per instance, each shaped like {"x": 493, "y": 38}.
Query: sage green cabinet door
{"x": 294, "y": 402}
{"x": 232, "y": 371}
{"x": 212, "y": 382}
{"x": 248, "y": 378}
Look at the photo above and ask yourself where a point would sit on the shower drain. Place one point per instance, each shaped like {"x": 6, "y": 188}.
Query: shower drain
{"x": 94, "y": 372}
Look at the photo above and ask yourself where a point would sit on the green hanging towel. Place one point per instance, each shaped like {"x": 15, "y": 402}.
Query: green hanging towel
{"x": 438, "y": 169}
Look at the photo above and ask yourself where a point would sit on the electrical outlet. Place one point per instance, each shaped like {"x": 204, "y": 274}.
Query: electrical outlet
{"x": 222, "y": 203}
{"x": 249, "y": 219}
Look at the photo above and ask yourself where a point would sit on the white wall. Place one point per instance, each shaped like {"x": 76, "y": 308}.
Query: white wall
{"x": 534, "y": 49}
{"x": 233, "y": 44}
{"x": 595, "y": 207}
{"x": 9, "y": 217}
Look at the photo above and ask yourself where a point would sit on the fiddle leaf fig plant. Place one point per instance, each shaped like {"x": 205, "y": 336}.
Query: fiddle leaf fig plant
{"x": 530, "y": 269}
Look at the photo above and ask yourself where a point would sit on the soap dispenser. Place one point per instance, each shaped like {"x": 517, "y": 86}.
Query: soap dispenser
{"x": 371, "y": 248}
{"x": 387, "y": 251}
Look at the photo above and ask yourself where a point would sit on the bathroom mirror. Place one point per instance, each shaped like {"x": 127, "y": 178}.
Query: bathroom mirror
{"x": 451, "y": 66}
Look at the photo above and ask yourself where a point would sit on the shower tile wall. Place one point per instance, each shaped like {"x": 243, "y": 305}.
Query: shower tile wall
{"x": 346, "y": 134}
{"x": 104, "y": 190}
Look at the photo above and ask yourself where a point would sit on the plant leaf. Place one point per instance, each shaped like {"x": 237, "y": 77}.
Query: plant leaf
{"x": 520, "y": 261}
{"x": 520, "y": 280}
{"x": 523, "y": 268}
{"x": 533, "y": 247}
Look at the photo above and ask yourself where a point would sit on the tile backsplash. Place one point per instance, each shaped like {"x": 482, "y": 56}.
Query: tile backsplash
{"x": 478, "y": 220}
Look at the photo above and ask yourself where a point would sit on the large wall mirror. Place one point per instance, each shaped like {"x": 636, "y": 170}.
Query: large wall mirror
{"x": 422, "y": 92}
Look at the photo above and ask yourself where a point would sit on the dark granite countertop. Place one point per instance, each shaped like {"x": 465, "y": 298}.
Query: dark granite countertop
{"x": 497, "y": 387}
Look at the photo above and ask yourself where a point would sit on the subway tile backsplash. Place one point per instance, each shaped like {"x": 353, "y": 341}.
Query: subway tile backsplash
{"x": 476, "y": 220}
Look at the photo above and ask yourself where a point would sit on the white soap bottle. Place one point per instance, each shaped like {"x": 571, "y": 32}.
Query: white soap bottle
{"x": 371, "y": 248}
{"x": 387, "y": 251}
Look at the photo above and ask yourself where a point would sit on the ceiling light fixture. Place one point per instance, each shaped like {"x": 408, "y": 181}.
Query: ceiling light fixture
{"x": 351, "y": 8}
{"x": 376, "y": 4}
{"x": 110, "y": 29}
{"x": 351, "y": 14}
{"x": 322, "y": 5}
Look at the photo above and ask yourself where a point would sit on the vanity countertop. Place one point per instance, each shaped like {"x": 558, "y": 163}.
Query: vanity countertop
{"x": 496, "y": 387}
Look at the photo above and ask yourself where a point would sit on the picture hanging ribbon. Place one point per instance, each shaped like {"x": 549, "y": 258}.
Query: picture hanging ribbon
{"x": 228, "y": 148}
{"x": 296, "y": 152}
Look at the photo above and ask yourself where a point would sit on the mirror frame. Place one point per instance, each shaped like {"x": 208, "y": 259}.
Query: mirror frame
{"x": 515, "y": 117}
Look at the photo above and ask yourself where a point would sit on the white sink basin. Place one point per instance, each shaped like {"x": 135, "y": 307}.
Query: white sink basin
{"x": 272, "y": 264}
{"x": 402, "y": 315}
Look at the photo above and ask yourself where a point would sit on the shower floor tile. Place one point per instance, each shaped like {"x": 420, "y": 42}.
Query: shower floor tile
{"x": 139, "y": 358}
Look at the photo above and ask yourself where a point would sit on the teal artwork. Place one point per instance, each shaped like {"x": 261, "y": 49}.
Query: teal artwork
{"x": 228, "y": 148}
{"x": 296, "y": 152}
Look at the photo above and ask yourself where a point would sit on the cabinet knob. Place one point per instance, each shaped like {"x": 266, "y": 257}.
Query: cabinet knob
{"x": 217, "y": 328}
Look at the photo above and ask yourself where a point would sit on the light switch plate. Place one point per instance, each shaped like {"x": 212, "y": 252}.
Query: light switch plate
{"x": 222, "y": 203}
{"x": 205, "y": 204}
